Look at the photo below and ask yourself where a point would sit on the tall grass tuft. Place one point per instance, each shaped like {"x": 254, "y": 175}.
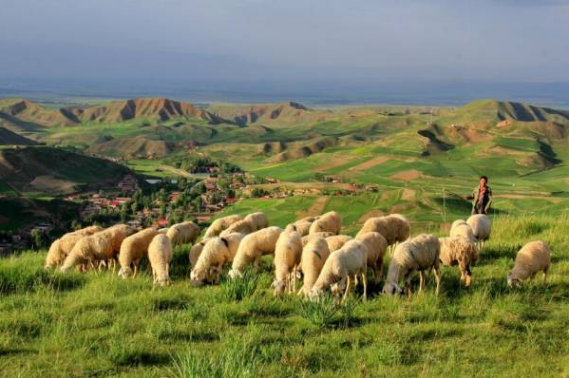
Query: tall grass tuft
{"x": 321, "y": 313}
{"x": 240, "y": 288}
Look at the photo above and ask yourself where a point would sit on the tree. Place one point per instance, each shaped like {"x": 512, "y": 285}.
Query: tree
{"x": 124, "y": 212}
{"x": 38, "y": 238}
{"x": 198, "y": 202}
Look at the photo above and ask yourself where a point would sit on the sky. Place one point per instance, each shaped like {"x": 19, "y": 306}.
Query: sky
{"x": 287, "y": 40}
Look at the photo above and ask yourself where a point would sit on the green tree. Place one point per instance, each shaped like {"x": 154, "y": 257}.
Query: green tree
{"x": 38, "y": 238}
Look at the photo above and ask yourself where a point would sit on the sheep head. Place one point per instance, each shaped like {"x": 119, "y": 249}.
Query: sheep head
{"x": 125, "y": 272}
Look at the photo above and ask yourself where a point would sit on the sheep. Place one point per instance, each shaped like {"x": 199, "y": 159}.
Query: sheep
{"x": 253, "y": 247}
{"x": 218, "y": 225}
{"x": 376, "y": 247}
{"x": 341, "y": 268}
{"x": 419, "y": 253}
{"x": 61, "y": 247}
{"x": 329, "y": 222}
{"x": 313, "y": 257}
{"x": 303, "y": 226}
{"x": 306, "y": 239}
{"x": 159, "y": 257}
{"x": 481, "y": 228}
{"x": 217, "y": 252}
{"x": 101, "y": 246}
{"x": 458, "y": 251}
{"x": 287, "y": 258}
{"x": 395, "y": 228}
{"x": 258, "y": 220}
{"x": 242, "y": 227}
{"x": 183, "y": 233}
{"x": 335, "y": 242}
{"x": 196, "y": 251}
{"x": 461, "y": 229}
{"x": 133, "y": 249}
{"x": 532, "y": 258}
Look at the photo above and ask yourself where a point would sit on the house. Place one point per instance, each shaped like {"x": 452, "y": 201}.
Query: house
{"x": 128, "y": 184}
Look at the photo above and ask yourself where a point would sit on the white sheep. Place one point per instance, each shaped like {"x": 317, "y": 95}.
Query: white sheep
{"x": 532, "y": 258}
{"x": 217, "y": 252}
{"x": 135, "y": 248}
{"x": 419, "y": 253}
{"x": 159, "y": 257}
{"x": 481, "y": 228}
{"x": 258, "y": 220}
{"x": 302, "y": 226}
{"x": 221, "y": 224}
{"x": 61, "y": 247}
{"x": 395, "y": 228}
{"x": 242, "y": 227}
{"x": 101, "y": 246}
{"x": 196, "y": 251}
{"x": 306, "y": 239}
{"x": 458, "y": 251}
{"x": 313, "y": 257}
{"x": 287, "y": 259}
{"x": 253, "y": 247}
{"x": 329, "y": 222}
{"x": 376, "y": 247}
{"x": 335, "y": 242}
{"x": 341, "y": 268}
{"x": 461, "y": 229}
{"x": 183, "y": 233}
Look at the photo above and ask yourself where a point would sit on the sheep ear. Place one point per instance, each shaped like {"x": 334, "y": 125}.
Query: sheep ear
{"x": 224, "y": 240}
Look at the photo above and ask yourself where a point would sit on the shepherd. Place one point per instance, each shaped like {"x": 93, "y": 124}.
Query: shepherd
{"x": 481, "y": 197}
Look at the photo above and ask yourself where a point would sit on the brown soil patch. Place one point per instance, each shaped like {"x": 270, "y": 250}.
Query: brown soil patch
{"x": 473, "y": 136}
{"x": 408, "y": 194}
{"x": 370, "y": 163}
{"x": 521, "y": 196}
{"x": 370, "y": 214}
{"x": 410, "y": 175}
{"x": 506, "y": 151}
{"x": 50, "y": 183}
{"x": 316, "y": 208}
{"x": 334, "y": 162}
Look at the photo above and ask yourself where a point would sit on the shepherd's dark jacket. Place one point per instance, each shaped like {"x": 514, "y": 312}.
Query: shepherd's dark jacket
{"x": 486, "y": 201}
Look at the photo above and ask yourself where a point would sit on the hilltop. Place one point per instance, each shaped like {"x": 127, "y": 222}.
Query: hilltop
{"x": 8, "y": 137}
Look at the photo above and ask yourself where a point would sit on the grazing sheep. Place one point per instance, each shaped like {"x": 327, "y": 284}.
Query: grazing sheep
{"x": 61, "y": 247}
{"x": 258, "y": 220}
{"x": 329, "y": 222}
{"x": 302, "y": 226}
{"x": 481, "y": 228}
{"x": 419, "y": 253}
{"x": 532, "y": 258}
{"x": 159, "y": 256}
{"x": 458, "y": 251}
{"x": 306, "y": 239}
{"x": 253, "y": 247}
{"x": 183, "y": 233}
{"x": 196, "y": 251}
{"x": 133, "y": 249}
{"x": 313, "y": 257}
{"x": 376, "y": 247}
{"x": 221, "y": 224}
{"x": 335, "y": 242}
{"x": 395, "y": 228}
{"x": 287, "y": 258}
{"x": 341, "y": 268}
{"x": 461, "y": 229}
{"x": 217, "y": 252}
{"x": 242, "y": 227}
{"x": 101, "y": 246}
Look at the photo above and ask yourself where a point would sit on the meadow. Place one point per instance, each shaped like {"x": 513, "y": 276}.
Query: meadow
{"x": 98, "y": 325}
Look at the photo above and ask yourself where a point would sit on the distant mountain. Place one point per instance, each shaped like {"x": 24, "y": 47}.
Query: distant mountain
{"x": 503, "y": 110}
{"x": 28, "y": 115}
{"x": 53, "y": 170}
{"x": 8, "y": 137}
{"x": 138, "y": 147}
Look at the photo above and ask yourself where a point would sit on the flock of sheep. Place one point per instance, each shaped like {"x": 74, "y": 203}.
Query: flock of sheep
{"x": 310, "y": 249}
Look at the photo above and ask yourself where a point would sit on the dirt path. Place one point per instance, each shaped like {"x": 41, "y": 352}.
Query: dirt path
{"x": 410, "y": 175}
{"x": 179, "y": 172}
{"x": 370, "y": 163}
{"x": 316, "y": 208}
{"x": 333, "y": 163}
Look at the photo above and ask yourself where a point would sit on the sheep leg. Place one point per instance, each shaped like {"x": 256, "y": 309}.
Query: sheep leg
{"x": 377, "y": 271}
{"x": 347, "y": 289}
{"x": 422, "y": 282}
{"x": 257, "y": 262}
{"x": 364, "y": 281}
{"x": 438, "y": 277}
{"x": 545, "y": 274}
{"x": 467, "y": 277}
{"x": 135, "y": 271}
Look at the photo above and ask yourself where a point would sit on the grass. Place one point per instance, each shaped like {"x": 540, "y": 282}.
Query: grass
{"x": 55, "y": 325}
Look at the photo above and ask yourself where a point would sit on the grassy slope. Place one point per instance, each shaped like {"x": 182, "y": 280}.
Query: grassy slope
{"x": 57, "y": 325}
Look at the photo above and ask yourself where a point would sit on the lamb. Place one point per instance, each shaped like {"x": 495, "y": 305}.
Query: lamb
{"x": 183, "y": 233}
{"x": 217, "y": 252}
{"x": 253, "y": 247}
{"x": 61, "y": 247}
{"x": 258, "y": 220}
{"x": 532, "y": 258}
{"x": 376, "y": 247}
{"x": 221, "y": 224}
{"x": 419, "y": 253}
{"x": 133, "y": 249}
{"x": 287, "y": 259}
{"x": 306, "y": 239}
{"x": 196, "y": 251}
{"x": 159, "y": 256}
{"x": 341, "y": 268}
{"x": 458, "y": 251}
{"x": 395, "y": 228}
{"x": 313, "y": 257}
{"x": 335, "y": 242}
{"x": 329, "y": 222}
{"x": 481, "y": 228}
{"x": 101, "y": 246}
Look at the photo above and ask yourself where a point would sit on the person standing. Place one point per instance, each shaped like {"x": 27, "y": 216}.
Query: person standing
{"x": 481, "y": 197}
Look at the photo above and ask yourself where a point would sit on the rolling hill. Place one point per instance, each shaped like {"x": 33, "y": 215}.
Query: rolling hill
{"x": 8, "y": 137}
